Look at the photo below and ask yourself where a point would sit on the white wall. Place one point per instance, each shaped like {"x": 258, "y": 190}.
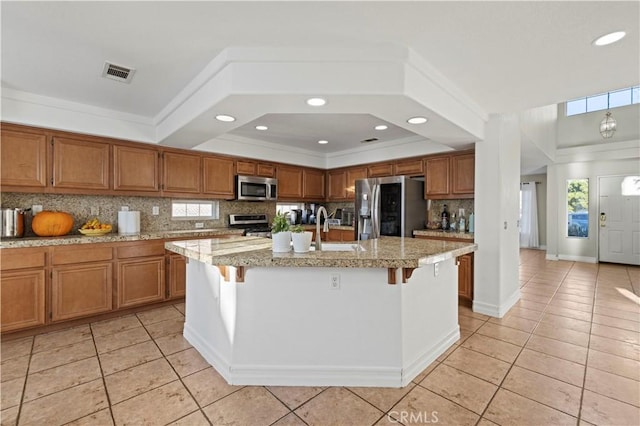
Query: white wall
{"x": 559, "y": 246}
{"x": 541, "y": 192}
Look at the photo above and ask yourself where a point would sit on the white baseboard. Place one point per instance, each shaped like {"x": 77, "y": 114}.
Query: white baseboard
{"x": 423, "y": 361}
{"x": 585, "y": 259}
{"x": 318, "y": 375}
{"x": 495, "y": 310}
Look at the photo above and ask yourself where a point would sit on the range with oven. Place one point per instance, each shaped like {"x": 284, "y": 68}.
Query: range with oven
{"x": 254, "y": 225}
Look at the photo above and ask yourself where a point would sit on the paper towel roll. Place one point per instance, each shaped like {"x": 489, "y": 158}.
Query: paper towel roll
{"x": 128, "y": 222}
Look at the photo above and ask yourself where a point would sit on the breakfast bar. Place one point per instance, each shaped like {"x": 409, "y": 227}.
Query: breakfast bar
{"x": 369, "y": 314}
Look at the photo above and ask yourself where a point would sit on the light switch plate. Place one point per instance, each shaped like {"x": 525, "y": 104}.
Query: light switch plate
{"x": 155, "y": 210}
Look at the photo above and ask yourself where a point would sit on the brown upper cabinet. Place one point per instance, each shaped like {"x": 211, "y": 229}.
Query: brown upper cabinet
{"x": 313, "y": 184}
{"x": 80, "y": 164}
{"x": 24, "y": 160}
{"x": 463, "y": 169}
{"x": 337, "y": 184}
{"x": 289, "y": 182}
{"x": 342, "y": 183}
{"x": 253, "y": 168}
{"x": 136, "y": 169}
{"x": 412, "y": 167}
{"x": 380, "y": 170}
{"x": 218, "y": 177}
{"x": 181, "y": 173}
{"x": 436, "y": 177}
{"x": 450, "y": 176}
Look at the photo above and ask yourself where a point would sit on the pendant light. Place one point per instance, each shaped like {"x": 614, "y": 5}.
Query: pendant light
{"x": 608, "y": 126}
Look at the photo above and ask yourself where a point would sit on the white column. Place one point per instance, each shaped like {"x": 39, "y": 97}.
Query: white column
{"x": 552, "y": 212}
{"x": 497, "y": 201}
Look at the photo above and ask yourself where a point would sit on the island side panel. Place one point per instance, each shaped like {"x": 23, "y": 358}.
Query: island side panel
{"x": 429, "y": 316}
{"x": 210, "y": 315}
{"x": 294, "y": 329}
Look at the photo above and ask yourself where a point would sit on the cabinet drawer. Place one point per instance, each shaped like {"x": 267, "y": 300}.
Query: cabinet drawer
{"x": 81, "y": 254}
{"x": 140, "y": 250}
{"x": 22, "y": 258}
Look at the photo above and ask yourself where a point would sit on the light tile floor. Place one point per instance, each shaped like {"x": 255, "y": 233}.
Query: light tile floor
{"x": 567, "y": 353}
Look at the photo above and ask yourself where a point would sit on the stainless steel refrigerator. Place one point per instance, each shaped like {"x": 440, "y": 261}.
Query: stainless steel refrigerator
{"x": 392, "y": 206}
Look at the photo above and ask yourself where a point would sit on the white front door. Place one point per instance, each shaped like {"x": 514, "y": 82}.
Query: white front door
{"x": 619, "y": 223}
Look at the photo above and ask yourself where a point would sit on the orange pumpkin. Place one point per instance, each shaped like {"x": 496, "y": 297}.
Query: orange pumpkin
{"x": 52, "y": 224}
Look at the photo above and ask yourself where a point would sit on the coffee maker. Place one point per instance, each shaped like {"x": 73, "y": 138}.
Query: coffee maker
{"x": 295, "y": 216}
{"x": 309, "y": 214}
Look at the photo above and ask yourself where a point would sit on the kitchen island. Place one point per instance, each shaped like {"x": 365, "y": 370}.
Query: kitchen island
{"x": 370, "y": 317}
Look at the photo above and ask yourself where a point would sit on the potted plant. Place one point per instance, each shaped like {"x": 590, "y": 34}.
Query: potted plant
{"x": 280, "y": 233}
{"x": 301, "y": 239}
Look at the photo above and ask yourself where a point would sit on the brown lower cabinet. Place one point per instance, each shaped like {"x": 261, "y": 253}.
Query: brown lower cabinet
{"x": 45, "y": 285}
{"x": 177, "y": 276}
{"x": 465, "y": 272}
{"x": 334, "y": 235}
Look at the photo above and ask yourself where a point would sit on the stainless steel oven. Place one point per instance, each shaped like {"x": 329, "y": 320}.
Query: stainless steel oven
{"x": 254, "y": 188}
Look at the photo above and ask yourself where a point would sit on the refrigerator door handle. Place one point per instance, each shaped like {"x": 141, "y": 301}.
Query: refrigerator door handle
{"x": 375, "y": 212}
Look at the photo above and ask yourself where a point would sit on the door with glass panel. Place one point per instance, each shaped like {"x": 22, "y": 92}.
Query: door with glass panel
{"x": 619, "y": 219}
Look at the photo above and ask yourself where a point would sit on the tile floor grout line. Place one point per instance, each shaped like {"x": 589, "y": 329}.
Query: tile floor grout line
{"x": 164, "y": 357}
{"x": 102, "y": 376}
{"x": 500, "y": 386}
{"x": 586, "y": 361}
{"x": 24, "y": 385}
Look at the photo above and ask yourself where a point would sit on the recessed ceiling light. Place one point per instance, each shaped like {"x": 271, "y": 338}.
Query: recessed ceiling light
{"x": 225, "y": 118}
{"x": 323, "y": 142}
{"x": 381, "y": 127}
{"x": 316, "y": 101}
{"x": 609, "y": 38}
{"x": 261, "y": 127}
{"x": 417, "y": 120}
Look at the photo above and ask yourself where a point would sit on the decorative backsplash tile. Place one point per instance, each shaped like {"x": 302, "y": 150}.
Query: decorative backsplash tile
{"x": 79, "y": 206}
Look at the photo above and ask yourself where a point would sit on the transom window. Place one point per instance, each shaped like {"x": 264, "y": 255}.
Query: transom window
{"x": 618, "y": 98}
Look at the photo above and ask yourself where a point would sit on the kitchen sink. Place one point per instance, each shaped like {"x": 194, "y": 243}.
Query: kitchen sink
{"x": 340, "y": 247}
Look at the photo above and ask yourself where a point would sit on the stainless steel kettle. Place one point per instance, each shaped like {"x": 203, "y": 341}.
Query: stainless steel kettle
{"x": 13, "y": 223}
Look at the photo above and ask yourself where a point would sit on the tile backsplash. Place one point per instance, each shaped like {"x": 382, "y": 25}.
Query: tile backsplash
{"x": 79, "y": 206}
{"x": 435, "y": 207}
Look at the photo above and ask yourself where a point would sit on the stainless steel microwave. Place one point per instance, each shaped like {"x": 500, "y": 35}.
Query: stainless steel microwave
{"x": 254, "y": 188}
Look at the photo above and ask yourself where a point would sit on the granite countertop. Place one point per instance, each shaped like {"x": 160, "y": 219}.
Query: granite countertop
{"x": 113, "y": 237}
{"x": 385, "y": 252}
{"x": 445, "y": 234}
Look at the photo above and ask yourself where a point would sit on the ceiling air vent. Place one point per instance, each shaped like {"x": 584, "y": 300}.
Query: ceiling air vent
{"x": 118, "y": 72}
{"x": 369, "y": 140}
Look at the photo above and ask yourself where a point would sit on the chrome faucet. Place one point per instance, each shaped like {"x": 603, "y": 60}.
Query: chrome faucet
{"x": 324, "y": 229}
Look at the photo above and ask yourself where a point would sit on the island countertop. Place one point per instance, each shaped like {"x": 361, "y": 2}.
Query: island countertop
{"x": 385, "y": 252}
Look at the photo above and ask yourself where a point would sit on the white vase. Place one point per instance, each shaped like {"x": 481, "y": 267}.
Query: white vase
{"x": 281, "y": 242}
{"x": 301, "y": 241}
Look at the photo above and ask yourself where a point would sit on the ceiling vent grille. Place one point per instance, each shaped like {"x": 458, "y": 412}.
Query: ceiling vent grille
{"x": 118, "y": 72}
{"x": 369, "y": 140}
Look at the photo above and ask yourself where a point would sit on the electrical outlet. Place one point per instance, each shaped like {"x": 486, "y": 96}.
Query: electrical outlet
{"x": 335, "y": 281}
{"x": 155, "y": 210}
{"x": 36, "y": 208}
{"x": 95, "y": 211}
{"x": 199, "y": 225}
{"x": 124, "y": 208}
{"x": 436, "y": 269}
